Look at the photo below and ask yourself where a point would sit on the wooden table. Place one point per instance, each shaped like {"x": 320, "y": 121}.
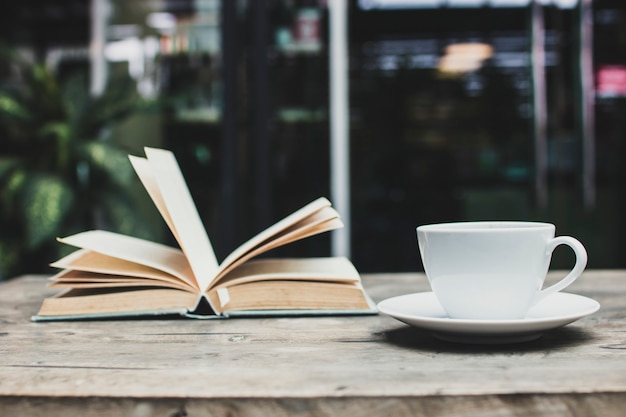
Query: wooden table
{"x": 344, "y": 366}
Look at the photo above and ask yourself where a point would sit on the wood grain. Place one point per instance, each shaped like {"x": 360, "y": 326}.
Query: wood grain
{"x": 324, "y": 366}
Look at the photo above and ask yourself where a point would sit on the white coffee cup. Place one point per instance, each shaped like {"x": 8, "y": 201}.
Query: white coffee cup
{"x": 492, "y": 270}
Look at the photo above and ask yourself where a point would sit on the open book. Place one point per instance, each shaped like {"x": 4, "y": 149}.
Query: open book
{"x": 113, "y": 275}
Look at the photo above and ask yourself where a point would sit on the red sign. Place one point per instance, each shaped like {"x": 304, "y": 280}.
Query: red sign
{"x": 611, "y": 80}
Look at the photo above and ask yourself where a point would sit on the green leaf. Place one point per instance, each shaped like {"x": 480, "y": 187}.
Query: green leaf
{"x": 7, "y": 164}
{"x": 60, "y": 130}
{"x": 11, "y": 108}
{"x": 111, "y": 160}
{"x": 124, "y": 217}
{"x": 45, "y": 79}
{"x": 46, "y": 201}
{"x": 12, "y": 188}
{"x": 77, "y": 102}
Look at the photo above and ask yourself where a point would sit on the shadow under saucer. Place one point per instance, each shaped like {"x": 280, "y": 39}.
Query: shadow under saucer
{"x": 416, "y": 338}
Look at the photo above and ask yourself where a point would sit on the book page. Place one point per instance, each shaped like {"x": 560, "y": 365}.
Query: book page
{"x": 319, "y": 209}
{"x": 313, "y": 225}
{"x": 329, "y": 269}
{"x": 290, "y": 295}
{"x": 132, "y": 249}
{"x": 91, "y": 302}
{"x": 144, "y": 172}
{"x": 81, "y": 279}
{"x": 87, "y": 265}
{"x": 184, "y": 216}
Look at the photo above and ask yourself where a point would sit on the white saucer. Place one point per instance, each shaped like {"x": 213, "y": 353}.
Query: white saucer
{"x": 424, "y": 311}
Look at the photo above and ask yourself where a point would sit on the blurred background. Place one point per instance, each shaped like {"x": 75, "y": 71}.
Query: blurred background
{"x": 458, "y": 110}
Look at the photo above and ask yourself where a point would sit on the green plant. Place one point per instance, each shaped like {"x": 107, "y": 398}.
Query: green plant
{"x": 59, "y": 173}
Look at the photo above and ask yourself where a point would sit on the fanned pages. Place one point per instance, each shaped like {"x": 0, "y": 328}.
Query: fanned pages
{"x": 112, "y": 275}
{"x": 192, "y": 237}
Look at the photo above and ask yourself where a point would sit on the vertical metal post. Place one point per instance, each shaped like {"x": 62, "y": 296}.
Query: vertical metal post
{"x": 339, "y": 124}
{"x": 228, "y": 236}
{"x": 540, "y": 131}
{"x": 587, "y": 117}
{"x": 99, "y": 12}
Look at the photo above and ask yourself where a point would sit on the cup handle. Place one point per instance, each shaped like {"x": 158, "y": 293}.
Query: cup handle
{"x": 579, "y": 267}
